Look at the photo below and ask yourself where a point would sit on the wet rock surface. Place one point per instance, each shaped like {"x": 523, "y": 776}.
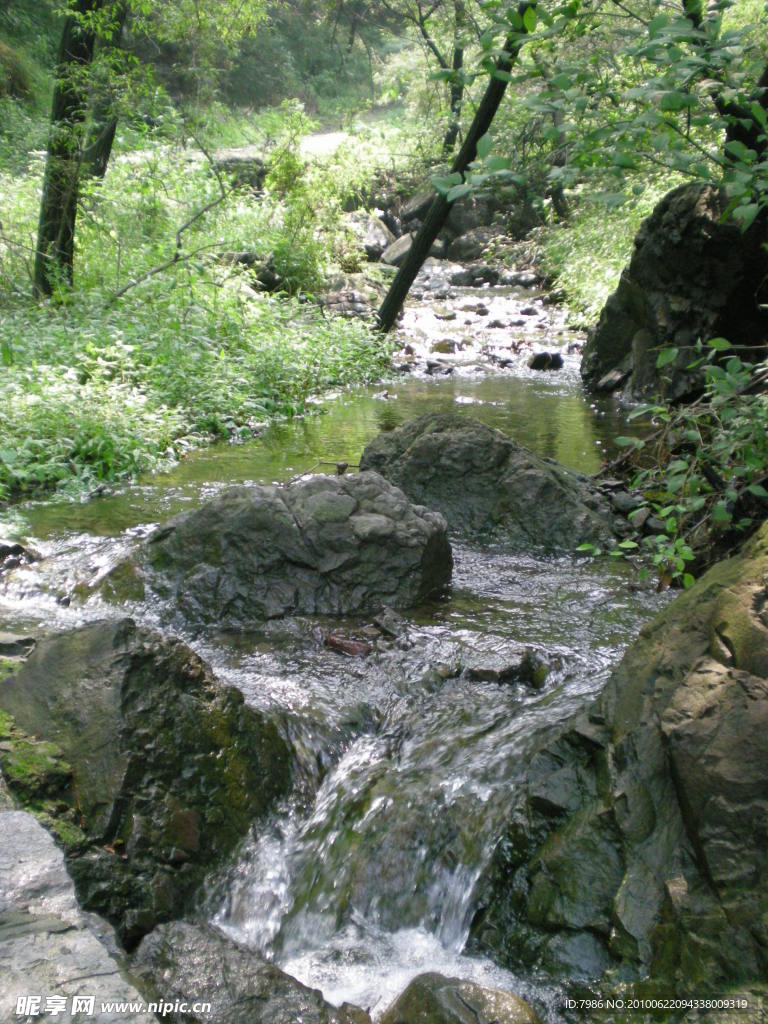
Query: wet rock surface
{"x": 182, "y": 961}
{"x": 48, "y": 947}
{"x": 169, "y": 769}
{"x": 485, "y": 483}
{"x": 692, "y": 275}
{"x": 638, "y": 840}
{"x": 434, "y": 999}
{"x": 326, "y": 545}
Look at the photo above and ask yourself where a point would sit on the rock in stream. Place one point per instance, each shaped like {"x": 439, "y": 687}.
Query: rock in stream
{"x": 49, "y": 949}
{"x": 326, "y": 545}
{"x": 638, "y": 841}
{"x": 181, "y": 961}
{"x": 485, "y": 483}
{"x": 168, "y": 768}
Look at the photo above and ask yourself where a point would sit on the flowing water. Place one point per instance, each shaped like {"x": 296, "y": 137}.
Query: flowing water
{"x": 406, "y": 763}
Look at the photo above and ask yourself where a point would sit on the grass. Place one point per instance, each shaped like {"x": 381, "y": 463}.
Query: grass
{"x": 96, "y": 388}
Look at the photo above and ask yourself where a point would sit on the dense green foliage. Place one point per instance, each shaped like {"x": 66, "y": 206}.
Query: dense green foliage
{"x": 95, "y": 387}
{"x": 704, "y": 470}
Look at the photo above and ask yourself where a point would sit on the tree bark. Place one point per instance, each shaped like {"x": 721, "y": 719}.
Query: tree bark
{"x": 101, "y": 134}
{"x": 457, "y": 82}
{"x": 440, "y": 208}
{"x": 58, "y": 207}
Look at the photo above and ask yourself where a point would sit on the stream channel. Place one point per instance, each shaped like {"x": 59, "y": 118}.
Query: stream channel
{"x": 366, "y": 877}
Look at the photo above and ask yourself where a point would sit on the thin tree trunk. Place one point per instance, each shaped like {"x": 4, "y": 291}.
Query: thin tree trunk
{"x": 58, "y": 207}
{"x": 440, "y": 208}
{"x": 457, "y": 82}
{"x": 101, "y": 134}
{"x": 457, "y": 100}
{"x": 99, "y": 149}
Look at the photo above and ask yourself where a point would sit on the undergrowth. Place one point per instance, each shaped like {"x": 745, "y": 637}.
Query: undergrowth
{"x": 106, "y": 382}
{"x": 586, "y": 254}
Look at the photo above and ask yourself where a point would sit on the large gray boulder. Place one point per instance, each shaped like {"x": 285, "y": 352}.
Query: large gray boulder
{"x": 179, "y": 959}
{"x": 168, "y": 769}
{"x": 48, "y": 947}
{"x": 637, "y": 842}
{"x": 485, "y": 483}
{"x": 692, "y": 276}
{"x": 328, "y": 545}
{"x": 434, "y": 999}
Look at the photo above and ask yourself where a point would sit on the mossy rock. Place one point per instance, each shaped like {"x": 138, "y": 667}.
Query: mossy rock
{"x": 168, "y": 769}
{"x": 434, "y": 999}
{"x": 637, "y": 844}
{"x": 40, "y": 780}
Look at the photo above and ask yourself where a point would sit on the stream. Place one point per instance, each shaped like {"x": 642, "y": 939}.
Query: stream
{"x": 407, "y": 762}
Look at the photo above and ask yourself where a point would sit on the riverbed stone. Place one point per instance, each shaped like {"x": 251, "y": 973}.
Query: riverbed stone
{"x": 637, "y": 842}
{"x": 485, "y": 483}
{"x": 372, "y": 233}
{"x": 395, "y": 253}
{"x": 693, "y": 275}
{"x": 434, "y": 999}
{"x": 168, "y": 769}
{"x": 184, "y": 960}
{"x": 48, "y": 947}
{"x": 327, "y": 545}
{"x": 473, "y": 243}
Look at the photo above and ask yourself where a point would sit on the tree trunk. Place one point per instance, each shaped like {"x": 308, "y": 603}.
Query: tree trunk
{"x": 99, "y": 149}
{"x": 58, "y": 206}
{"x": 457, "y": 100}
{"x": 440, "y": 208}
{"x": 101, "y": 134}
{"x": 457, "y": 82}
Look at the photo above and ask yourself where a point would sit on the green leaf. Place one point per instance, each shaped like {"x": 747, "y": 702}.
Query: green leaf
{"x": 688, "y": 581}
{"x": 758, "y": 490}
{"x": 498, "y": 163}
{"x": 458, "y": 191}
{"x": 445, "y": 184}
{"x": 674, "y": 101}
{"x": 484, "y": 146}
{"x": 628, "y": 545}
{"x": 759, "y": 114}
{"x": 719, "y": 344}
{"x": 740, "y": 152}
{"x": 746, "y": 214}
{"x": 628, "y": 442}
{"x": 665, "y": 357}
{"x": 529, "y": 19}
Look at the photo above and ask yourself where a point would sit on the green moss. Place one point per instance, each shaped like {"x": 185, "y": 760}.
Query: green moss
{"x": 35, "y": 770}
{"x": 7, "y": 667}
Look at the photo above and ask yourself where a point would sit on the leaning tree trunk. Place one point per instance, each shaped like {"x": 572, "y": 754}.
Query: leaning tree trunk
{"x": 440, "y": 208}
{"x": 58, "y": 206}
